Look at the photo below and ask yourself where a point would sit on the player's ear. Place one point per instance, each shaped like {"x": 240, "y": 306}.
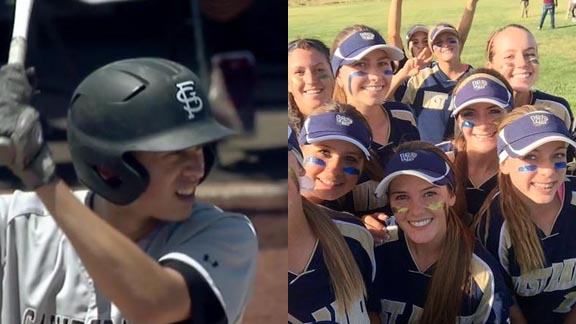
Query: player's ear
{"x": 505, "y": 166}
{"x": 488, "y": 65}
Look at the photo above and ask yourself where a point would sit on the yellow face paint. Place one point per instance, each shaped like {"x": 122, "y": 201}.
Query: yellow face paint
{"x": 435, "y": 205}
{"x": 399, "y": 210}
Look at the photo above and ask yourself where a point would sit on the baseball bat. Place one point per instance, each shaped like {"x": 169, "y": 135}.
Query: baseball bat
{"x": 18, "y": 44}
{"x": 17, "y": 54}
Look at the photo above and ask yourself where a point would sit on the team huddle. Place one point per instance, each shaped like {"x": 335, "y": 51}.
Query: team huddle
{"x": 423, "y": 190}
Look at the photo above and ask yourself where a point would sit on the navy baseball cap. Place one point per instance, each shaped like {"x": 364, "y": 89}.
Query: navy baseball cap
{"x": 415, "y": 29}
{"x": 481, "y": 87}
{"x": 358, "y": 45}
{"x": 439, "y": 29}
{"x": 294, "y": 146}
{"x": 529, "y": 132}
{"x": 336, "y": 126}
{"x": 423, "y": 164}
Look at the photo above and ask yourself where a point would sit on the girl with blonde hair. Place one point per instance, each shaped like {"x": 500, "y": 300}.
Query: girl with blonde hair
{"x": 528, "y": 222}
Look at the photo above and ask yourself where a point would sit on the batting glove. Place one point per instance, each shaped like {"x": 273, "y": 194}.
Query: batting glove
{"x": 22, "y": 146}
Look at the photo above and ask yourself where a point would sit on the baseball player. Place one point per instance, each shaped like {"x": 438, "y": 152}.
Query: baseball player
{"x": 529, "y": 224}
{"x": 433, "y": 271}
{"x": 330, "y": 258}
{"x": 135, "y": 247}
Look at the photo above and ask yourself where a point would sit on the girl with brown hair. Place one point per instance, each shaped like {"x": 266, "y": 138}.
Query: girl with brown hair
{"x": 330, "y": 258}
{"x": 433, "y": 271}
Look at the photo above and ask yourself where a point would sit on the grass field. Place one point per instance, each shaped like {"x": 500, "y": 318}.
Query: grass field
{"x": 323, "y": 19}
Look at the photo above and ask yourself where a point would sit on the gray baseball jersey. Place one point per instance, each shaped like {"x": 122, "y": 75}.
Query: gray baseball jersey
{"x": 44, "y": 280}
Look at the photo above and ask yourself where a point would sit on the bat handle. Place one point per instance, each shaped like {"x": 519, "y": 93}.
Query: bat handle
{"x": 17, "y": 52}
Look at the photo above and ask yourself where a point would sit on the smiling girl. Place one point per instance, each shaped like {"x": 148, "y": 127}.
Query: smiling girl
{"x": 310, "y": 80}
{"x": 513, "y": 52}
{"x": 529, "y": 224}
{"x": 433, "y": 271}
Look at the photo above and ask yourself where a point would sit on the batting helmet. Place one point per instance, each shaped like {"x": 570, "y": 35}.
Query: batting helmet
{"x": 143, "y": 104}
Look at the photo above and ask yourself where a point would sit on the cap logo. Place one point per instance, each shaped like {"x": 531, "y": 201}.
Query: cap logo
{"x": 408, "y": 156}
{"x": 479, "y": 84}
{"x": 187, "y": 95}
{"x": 343, "y": 120}
{"x": 367, "y": 35}
{"x": 539, "y": 120}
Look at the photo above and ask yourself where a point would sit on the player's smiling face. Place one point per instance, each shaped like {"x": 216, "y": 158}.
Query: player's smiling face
{"x": 334, "y": 167}
{"x": 479, "y": 125}
{"x": 418, "y": 42}
{"x": 539, "y": 174}
{"x": 515, "y": 56}
{"x": 174, "y": 176}
{"x": 446, "y": 47}
{"x": 366, "y": 82}
{"x": 310, "y": 79}
{"x": 420, "y": 208}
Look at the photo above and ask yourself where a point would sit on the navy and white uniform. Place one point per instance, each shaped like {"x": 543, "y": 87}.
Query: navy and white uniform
{"x": 428, "y": 93}
{"x": 362, "y": 200}
{"x": 44, "y": 280}
{"x": 475, "y": 195}
{"x": 546, "y": 295}
{"x": 310, "y": 295}
{"x": 401, "y": 287}
{"x": 557, "y": 105}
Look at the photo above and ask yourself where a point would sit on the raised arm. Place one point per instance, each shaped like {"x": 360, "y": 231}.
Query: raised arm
{"x": 143, "y": 290}
{"x": 394, "y": 22}
{"x": 466, "y": 22}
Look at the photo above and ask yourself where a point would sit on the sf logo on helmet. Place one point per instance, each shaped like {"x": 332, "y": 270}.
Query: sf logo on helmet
{"x": 187, "y": 95}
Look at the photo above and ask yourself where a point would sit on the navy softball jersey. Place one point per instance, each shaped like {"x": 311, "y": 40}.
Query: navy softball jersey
{"x": 401, "y": 287}
{"x": 428, "y": 93}
{"x": 361, "y": 200}
{"x": 545, "y": 295}
{"x": 310, "y": 295}
{"x": 557, "y": 105}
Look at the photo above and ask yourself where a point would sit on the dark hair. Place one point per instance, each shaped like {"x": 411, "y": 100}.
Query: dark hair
{"x": 295, "y": 117}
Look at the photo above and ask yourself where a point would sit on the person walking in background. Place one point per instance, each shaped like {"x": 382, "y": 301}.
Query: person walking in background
{"x": 524, "y": 7}
{"x": 571, "y": 12}
{"x": 548, "y": 6}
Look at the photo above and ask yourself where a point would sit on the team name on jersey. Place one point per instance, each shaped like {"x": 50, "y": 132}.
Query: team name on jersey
{"x": 559, "y": 276}
{"x": 30, "y": 316}
{"x": 331, "y": 314}
{"x": 391, "y": 309}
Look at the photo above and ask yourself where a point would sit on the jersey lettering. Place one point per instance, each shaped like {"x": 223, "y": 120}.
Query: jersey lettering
{"x": 332, "y": 313}
{"x": 390, "y": 310}
{"x": 30, "y": 315}
{"x": 560, "y": 276}
{"x": 567, "y": 304}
